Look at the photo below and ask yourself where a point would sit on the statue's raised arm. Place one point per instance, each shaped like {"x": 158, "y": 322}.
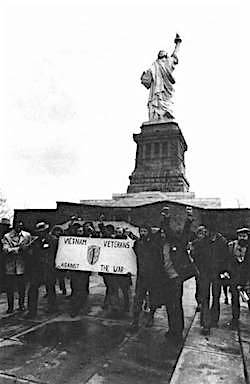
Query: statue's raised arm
{"x": 177, "y": 42}
{"x": 160, "y": 81}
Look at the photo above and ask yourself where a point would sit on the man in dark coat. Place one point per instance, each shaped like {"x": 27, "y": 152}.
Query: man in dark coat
{"x": 177, "y": 268}
{"x": 161, "y": 269}
{"x": 41, "y": 268}
{"x": 210, "y": 255}
{"x": 239, "y": 270}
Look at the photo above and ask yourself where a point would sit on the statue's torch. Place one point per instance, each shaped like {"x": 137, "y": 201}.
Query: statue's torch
{"x": 177, "y": 41}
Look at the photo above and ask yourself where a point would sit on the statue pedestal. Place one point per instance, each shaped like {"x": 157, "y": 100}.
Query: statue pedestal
{"x": 159, "y": 164}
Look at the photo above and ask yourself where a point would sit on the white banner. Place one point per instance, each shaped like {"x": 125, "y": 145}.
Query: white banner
{"x": 96, "y": 255}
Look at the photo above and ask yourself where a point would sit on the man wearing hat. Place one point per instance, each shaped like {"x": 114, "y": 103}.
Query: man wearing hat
{"x": 239, "y": 270}
{"x": 14, "y": 245}
{"x": 42, "y": 268}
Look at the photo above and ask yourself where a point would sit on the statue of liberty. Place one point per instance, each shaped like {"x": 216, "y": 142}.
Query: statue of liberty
{"x": 159, "y": 79}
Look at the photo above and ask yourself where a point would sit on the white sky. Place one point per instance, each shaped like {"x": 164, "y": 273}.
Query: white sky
{"x": 71, "y": 96}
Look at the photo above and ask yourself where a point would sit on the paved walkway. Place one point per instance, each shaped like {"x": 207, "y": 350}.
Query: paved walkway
{"x": 96, "y": 348}
{"x": 222, "y": 357}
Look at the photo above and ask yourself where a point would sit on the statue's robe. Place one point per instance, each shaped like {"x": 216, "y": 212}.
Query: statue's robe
{"x": 161, "y": 89}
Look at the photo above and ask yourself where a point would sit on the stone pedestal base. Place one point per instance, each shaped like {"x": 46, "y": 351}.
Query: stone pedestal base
{"x": 159, "y": 164}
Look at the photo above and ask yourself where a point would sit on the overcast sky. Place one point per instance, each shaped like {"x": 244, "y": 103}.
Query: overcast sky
{"x": 71, "y": 96}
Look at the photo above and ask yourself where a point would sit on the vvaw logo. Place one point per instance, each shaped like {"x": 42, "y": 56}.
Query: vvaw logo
{"x": 93, "y": 254}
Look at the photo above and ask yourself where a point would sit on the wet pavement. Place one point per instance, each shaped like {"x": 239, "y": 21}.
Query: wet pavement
{"x": 221, "y": 357}
{"x": 97, "y": 348}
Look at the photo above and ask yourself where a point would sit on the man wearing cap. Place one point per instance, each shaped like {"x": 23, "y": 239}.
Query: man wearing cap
{"x": 42, "y": 268}
{"x": 239, "y": 270}
{"x": 14, "y": 245}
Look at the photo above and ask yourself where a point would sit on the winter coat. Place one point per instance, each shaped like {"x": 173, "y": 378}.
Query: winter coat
{"x": 14, "y": 256}
{"x": 41, "y": 261}
{"x": 239, "y": 271}
{"x": 210, "y": 255}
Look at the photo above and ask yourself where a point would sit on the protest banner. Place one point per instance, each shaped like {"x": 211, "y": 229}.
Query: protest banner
{"x": 96, "y": 255}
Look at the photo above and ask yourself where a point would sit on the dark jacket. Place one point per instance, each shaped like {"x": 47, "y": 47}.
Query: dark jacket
{"x": 239, "y": 271}
{"x": 148, "y": 260}
{"x": 210, "y": 255}
{"x": 41, "y": 260}
{"x": 178, "y": 249}
{"x": 149, "y": 252}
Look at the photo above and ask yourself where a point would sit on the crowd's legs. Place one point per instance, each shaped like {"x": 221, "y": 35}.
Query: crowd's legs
{"x": 124, "y": 282}
{"x": 198, "y": 293}
{"x": 141, "y": 289}
{"x": 205, "y": 300}
{"x": 215, "y": 308}
{"x": 225, "y": 291}
{"x": 33, "y": 294}
{"x": 61, "y": 280}
{"x": 80, "y": 282}
{"x": 174, "y": 308}
{"x": 235, "y": 303}
{"x": 13, "y": 282}
{"x": 111, "y": 300}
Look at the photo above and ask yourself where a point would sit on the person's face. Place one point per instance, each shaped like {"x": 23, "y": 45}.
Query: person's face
{"x": 144, "y": 232}
{"x": 18, "y": 227}
{"x": 243, "y": 239}
{"x": 88, "y": 228}
{"x": 119, "y": 231}
{"x": 80, "y": 231}
{"x": 57, "y": 232}
{"x": 42, "y": 234}
{"x": 242, "y": 236}
{"x": 109, "y": 233}
{"x": 201, "y": 234}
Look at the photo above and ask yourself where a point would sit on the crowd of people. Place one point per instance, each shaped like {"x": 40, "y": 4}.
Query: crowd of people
{"x": 165, "y": 259}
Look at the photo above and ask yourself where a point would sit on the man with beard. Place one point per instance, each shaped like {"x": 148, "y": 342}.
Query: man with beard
{"x": 239, "y": 270}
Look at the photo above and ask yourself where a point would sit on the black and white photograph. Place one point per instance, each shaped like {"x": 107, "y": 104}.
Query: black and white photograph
{"x": 124, "y": 192}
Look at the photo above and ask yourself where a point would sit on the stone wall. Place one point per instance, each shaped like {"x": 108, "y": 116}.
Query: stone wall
{"x": 225, "y": 221}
